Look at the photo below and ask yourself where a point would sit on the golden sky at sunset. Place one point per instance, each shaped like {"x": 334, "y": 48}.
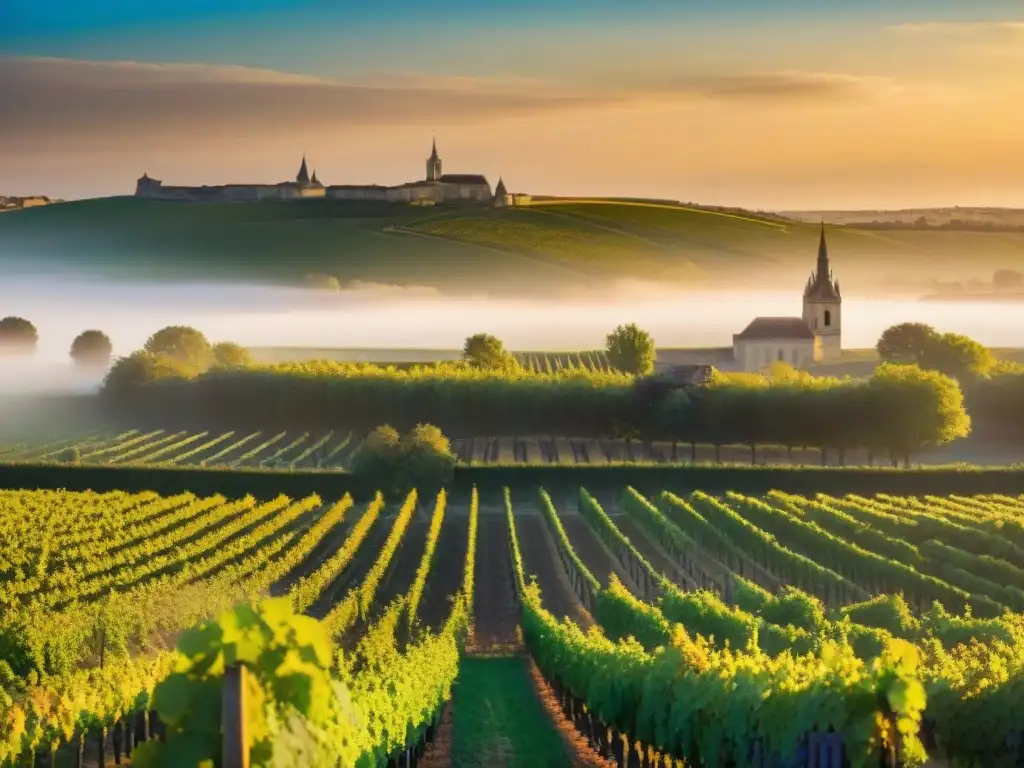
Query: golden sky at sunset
{"x": 829, "y": 113}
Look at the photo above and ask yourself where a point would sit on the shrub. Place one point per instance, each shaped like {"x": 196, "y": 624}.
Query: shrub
{"x": 422, "y": 459}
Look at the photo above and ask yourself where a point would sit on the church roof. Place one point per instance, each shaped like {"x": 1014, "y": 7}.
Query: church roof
{"x": 303, "y": 175}
{"x": 764, "y": 328}
{"x": 500, "y": 189}
{"x": 464, "y": 178}
{"x": 820, "y": 286}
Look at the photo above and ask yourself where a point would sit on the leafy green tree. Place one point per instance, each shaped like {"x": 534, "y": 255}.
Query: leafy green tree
{"x": 428, "y": 457}
{"x": 231, "y": 355}
{"x": 915, "y": 408}
{"x": 483, "y": 350}
{"x": 128, "y": 374}
{"x": 422, "y": 458}
{"x": 905, "y": 343}
{"x": 182, "y": 343}
{"x": 18, "y": 336}
{"x": 91, "y": 349}
{"x": 957, "y": 356}
{"x": 631, "y": 350}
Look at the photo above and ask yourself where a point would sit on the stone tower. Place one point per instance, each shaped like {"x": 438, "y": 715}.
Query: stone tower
{"x": 433, "y": 164}
{"x": 823, "y": 307}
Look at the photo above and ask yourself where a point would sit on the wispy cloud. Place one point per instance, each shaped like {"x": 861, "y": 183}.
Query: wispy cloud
{"x": 781, "y": 85}
{"x": 961, "y": 28}
{"x": 105, "y": 101}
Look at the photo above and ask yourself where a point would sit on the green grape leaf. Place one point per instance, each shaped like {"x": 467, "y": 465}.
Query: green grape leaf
{"x": 172, "y": 697}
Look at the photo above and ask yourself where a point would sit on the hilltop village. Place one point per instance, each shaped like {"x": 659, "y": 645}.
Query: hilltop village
{"x": 436, "y": 188}
{"x": 21, "y": 203}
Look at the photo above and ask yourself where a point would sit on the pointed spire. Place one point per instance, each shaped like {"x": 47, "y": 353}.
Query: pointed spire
{"x": 823, "y": 267}
{"x": 303, "y": 175}
{"x": 314, "y": 179}
{"x": 433, "y": 150}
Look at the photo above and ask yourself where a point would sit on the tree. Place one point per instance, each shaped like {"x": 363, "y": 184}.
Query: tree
{"x": 914, "y": 408}
{"x": 185, "y": 344}
{"x": 18, "y": 336}
{"x": 905, "y": 343}
{"x": 231, "y": 355}
{"x": 631, "y": 350}
{"x": 128, "y": 374}
{"x": 91, "y": 349}
{"x": 484, "y": 351}
{"x": 1007, "y": 278}
{"x": 957, "y": 356}
{"x": 429, "y": 461}
{"x": 422, "y": 459}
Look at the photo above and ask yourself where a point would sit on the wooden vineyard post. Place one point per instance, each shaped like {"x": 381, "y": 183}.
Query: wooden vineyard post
{"x": 233, "y": 711}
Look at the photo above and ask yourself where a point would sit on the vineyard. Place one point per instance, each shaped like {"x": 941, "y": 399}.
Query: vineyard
{"x": 723, "y": 630}
{"x": 294, "y": 450}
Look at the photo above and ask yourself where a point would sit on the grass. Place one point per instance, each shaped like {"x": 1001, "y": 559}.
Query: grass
{"x": 548, "y": 245}
{"x": 498, "y": 719}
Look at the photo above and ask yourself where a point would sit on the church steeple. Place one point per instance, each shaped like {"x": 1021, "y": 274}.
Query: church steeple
{"x": 303, "y": 175}
{"x": 433, "y": 163}
{"x": 314, "y": 180}
{"x": 823, "y": 267}
{"x": 821, "y": 286}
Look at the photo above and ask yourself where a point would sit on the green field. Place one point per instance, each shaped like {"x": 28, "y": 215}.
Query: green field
{"x": 555, "y": 244}
{"x": 499, "y": 721}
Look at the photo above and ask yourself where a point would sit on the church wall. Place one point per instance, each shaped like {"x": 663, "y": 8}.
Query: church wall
{"x": 829, "y": 349}
{"x": 756, "y": 354}
{"x": 358, "y": 193}
{"x": 830, "y": 336}
{"x": 814, "y": 314}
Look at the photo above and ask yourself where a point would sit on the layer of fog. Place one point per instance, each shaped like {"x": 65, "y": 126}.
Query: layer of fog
{"x": 393, "y": 317}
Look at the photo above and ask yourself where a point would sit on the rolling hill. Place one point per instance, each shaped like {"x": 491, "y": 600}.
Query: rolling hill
{"x": 548, "y": 245}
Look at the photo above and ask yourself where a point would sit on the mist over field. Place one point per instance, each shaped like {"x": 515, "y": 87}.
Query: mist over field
{"x": 374, "y": 316}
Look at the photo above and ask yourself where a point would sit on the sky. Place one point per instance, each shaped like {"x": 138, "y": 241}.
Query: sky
{"x": 805, "y": 104}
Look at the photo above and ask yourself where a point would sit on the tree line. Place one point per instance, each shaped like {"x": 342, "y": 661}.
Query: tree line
{"x": 900, "y": 409}
{"x": 919, "y": 397}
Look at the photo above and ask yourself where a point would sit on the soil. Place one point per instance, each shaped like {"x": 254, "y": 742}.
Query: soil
{"x": 591, "y": 550}
{"x": 653, "y": 553}
{"x": 356, "y": 570}
{"x": 540, "y": 559}
{"x": 401, "y": 571}
{"x": 446, "y": 569}
{"x": 495, "y": 612}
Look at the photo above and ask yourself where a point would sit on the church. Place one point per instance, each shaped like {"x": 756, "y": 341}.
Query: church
{"x": 437, "y": 188}
{"x": 816, "y": 337}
